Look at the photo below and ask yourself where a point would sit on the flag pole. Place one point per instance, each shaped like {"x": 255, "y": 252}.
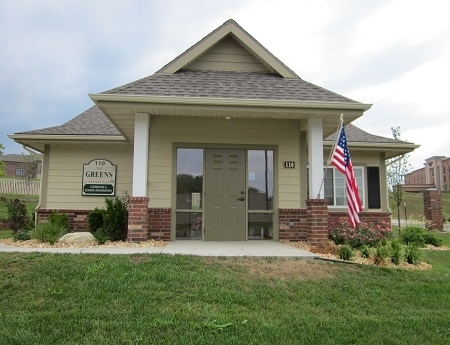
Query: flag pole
{"x": 340, "y": 125}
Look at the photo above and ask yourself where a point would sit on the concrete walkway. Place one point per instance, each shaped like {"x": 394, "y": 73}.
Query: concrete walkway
{"x": 199, "y": 248}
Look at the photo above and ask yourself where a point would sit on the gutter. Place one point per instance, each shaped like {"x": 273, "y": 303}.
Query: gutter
{"x": 210, "y": 101}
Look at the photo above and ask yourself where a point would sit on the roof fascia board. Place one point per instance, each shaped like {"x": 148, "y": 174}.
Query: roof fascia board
{"x": 195, "y": 51}
{"x": 263, "y": 53}
{"x": 229, "y": 27}
{"x": 55, "y": 137}
{"x": 374, "y": 145}
{"x": 102, "y": 99}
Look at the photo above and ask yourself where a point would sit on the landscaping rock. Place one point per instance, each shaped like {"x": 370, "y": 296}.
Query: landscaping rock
{"x": 78, "y": 238}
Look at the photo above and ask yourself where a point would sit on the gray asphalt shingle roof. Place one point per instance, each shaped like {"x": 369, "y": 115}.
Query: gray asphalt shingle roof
{"x": 228, "y": 84}
{"x": 94, "y": 122}
{"x": 15, "y": 157}
{"x": 356, "y": 134}
{"x": 89, "y": 122}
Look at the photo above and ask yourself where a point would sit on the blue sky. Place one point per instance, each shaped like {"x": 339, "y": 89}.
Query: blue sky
{"x": 393, "y": 54}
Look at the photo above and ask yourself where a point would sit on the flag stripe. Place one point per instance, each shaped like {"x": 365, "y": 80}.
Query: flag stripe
{"x": 342, "y": 161}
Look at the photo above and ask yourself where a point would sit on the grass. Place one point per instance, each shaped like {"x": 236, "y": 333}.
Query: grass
{"x": 31, "y": 201}
{"x": 414, "y": 206}
{"x": 159, "y": 299}
{"x": 4, "y": 234}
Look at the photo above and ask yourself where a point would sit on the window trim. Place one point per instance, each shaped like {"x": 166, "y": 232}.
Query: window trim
{"x": 361, "y": 188}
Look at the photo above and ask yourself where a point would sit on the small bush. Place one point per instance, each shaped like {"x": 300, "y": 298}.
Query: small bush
{"x": 346, "y": 252}
{"x": 101, "y": 235}
{"x": 341, "y": 232}
{"x": 413, "y": 235}
{"x": 412, "y": 254}
{"x": 60, "y": 219}
{"x": 22, "y": 235}
{"x": 396, "y": 252}
{"x": 96, "y": 219}
{"x": 365, "y": 251}
{"x": 432, "y": 239}
{"x": 380, "y": 254}
{"x": 17, "y": 214}
{"x": 116, "y": 218}
{"x": 47, "y": 232}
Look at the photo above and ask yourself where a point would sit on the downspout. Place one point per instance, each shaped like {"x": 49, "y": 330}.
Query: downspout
{"x": 34, "y": 153}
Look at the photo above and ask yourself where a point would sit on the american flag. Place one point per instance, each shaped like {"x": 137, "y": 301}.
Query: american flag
{"x": 342, "y": 161}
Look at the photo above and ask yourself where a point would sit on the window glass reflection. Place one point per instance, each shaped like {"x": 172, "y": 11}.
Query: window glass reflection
{"x": 260, "y": 179}
{"x": 260, "y": 226}
{"x": 189, "y": 179}
{"x": 189, "y": 225}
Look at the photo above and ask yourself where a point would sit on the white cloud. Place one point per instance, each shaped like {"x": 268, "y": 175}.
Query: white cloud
{"x": 393, "y": 54}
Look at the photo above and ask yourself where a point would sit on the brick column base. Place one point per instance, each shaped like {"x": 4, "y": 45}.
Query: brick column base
{"x": 432, "y": 203}
{"x": 137, "y": 219}
{"x": 317, "y": 220}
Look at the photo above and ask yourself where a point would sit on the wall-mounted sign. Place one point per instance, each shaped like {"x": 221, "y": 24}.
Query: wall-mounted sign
{"x": 290, "y": 165}
{"x": 99, "y": 178}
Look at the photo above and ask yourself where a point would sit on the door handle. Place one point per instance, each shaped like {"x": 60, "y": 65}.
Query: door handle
{"x": 241, "y": 198}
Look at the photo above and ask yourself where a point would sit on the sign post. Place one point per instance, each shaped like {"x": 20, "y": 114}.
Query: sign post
{"x": 99, "y": 178}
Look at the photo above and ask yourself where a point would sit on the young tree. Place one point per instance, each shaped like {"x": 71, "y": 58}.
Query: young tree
{"x": 397, "y": 168}
{"x": 30, "y": 165}
{"x": 2, "y": 164}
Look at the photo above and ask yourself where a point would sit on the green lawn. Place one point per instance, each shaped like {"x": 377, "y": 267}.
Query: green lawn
{"x": 414, "y": 206}
{"x": 158, "y": 299}
{"x": 31, "y": 201}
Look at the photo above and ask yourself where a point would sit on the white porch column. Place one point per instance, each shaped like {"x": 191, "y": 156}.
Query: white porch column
{"x": 315, "y": 155}
{"x": 303, "y": 168}
{"x": 140, "y": 155}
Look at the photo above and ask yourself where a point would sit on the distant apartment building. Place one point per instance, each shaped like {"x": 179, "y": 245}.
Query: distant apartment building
{"x": 434, "y": 174}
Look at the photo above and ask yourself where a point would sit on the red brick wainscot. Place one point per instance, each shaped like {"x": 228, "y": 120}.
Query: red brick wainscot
{"x": 372, "y": 218}
{"x": 78, "y": 219}
{"x": 292, "y": 224}
{"x": 159, "y": 223}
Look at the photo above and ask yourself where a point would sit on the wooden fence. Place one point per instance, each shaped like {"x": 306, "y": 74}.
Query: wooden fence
{"x": 10, "y": 186}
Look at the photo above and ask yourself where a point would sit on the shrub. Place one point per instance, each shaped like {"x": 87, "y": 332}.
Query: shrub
{"x": 60, "y": 219}
{"x": 47, "y": 232}
{"x": 413, "y": 235}
{"x": 396, "y": 252}
{"x": 380, "y": 254}
{"x": 96, "y": 219}
{"x": 412, "y": 254}
{"x": 22, "y": 235}
{"x": 346, "y": 252}
{"x": 101, "y": 235}
{"x": 365, "y": 251}
{"x": 17, "y": 214}
{"x": 116, "y": 218}
{"x": 341, "y": 232}
{"x": 432, "y": 239}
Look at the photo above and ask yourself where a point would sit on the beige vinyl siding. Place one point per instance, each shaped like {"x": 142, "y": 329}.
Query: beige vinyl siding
{"x": 210, "y": 132}
{"x": 227, "y": 55}
{"x": 63, "y": 190}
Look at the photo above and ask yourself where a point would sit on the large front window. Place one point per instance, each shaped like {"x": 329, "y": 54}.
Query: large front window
{"x": 335, "y": 186}
{"x": 260, "y": 194}
{"x": 189, "y": 213}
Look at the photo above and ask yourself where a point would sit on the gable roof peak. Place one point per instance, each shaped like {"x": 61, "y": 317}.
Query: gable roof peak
{"x": 248, "y": 42}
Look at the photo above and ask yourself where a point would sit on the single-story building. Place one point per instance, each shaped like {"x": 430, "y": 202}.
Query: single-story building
{"x": 223, "y": 143}
{"x": 22, "y": 166}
